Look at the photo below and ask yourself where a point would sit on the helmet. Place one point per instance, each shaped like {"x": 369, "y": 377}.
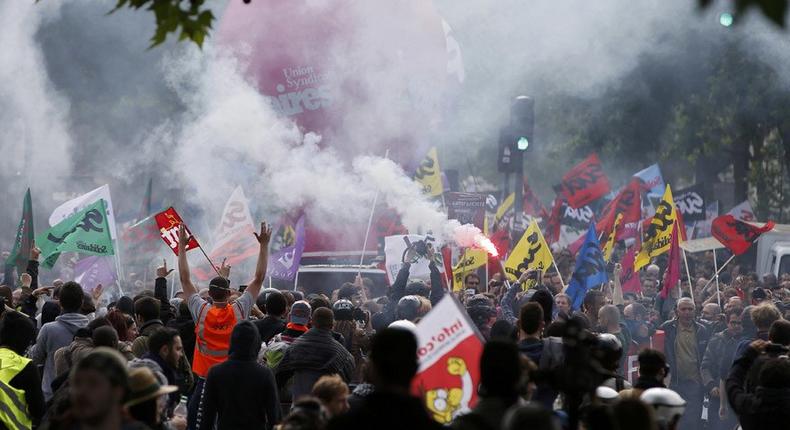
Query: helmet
{"x": 404, "y": 325}
{"x": 343, "y": 310}
{"x": 609, "y": 350}
{"x": 667, "y": 404}
{"x": 606, "y": 394}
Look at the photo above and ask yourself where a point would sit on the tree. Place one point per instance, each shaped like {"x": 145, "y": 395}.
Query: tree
{"x": 190, "y": 16}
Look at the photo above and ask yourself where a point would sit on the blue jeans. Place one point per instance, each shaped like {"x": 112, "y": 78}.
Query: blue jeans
{"x": 195, "y": 405}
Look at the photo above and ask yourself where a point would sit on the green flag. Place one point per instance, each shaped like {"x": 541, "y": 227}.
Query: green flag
{"x": 24, "y": 237}
{"x": 86, "y": 232}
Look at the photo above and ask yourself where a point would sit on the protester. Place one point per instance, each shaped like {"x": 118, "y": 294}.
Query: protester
{"x": 228, "y": 395}
{"x": 167, "y": 350}
{"x": 332, "y": 391}
{"x": 715, "y": 364}
{"x": 59, "y": 333}
{"x": 144, "y": 398}
{"x": 500, "y": 385}
{"x": 685, "y": 344}
{"x": 273, "y": 323}
{"x": 668, "y": 406}
{"x": 19, "y": 376}
{"x": 214, "y": 322}
{"x": 393, "y": 364}
{"x": 314, "y": 354}
{"x": 98, "y": 386}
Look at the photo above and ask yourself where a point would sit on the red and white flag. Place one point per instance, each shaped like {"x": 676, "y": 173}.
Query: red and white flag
{"x": 584, "y": 183}
{"x": 233, "y": 238}
{"x": 449, "y": 350}
{"x": 168, "y": 222}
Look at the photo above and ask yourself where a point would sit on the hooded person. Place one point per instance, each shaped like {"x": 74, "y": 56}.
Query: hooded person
{"x": 59, "y": 333}
{"x": 227, "y": 398}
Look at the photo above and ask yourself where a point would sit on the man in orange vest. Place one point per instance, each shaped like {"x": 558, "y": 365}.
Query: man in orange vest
{"x": 214, "y": 321}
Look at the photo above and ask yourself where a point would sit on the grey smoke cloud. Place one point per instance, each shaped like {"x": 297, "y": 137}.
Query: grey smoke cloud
{"x": 83, "y": 101}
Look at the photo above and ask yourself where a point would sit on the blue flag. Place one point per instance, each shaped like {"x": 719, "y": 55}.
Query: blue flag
{"x": 590, "y": 270}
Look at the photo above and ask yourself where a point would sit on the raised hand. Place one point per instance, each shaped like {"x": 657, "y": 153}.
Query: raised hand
{"x": 183, "y": 238}
{"x": 26, "y": 280}
{"x": 224, "y": 270}
{"x": 34, "y": 251}
{"x": 97, "y": 292}
{"x": 162, "y": 271}
{"x": 265, "y": 235}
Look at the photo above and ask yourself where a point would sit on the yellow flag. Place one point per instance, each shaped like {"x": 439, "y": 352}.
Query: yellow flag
{"x": 470, "y": 260}
{"x": 506, "y": 205}
{"x": 608, "y": 246}
{"x": 531, "y": 252}
{"x": 658, "y": 237}
{"x": 429, "y": 175}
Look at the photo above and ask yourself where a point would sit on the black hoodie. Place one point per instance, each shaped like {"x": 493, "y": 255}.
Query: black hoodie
{"x": 228, "y": 386}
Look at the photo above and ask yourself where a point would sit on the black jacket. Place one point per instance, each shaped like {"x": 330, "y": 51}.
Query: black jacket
{"x": 765, "y": 408}
{"x": 398, "y": 288}
{"x": 670, "y": 334}
{"x": 268, "y": 327}
{"x": 240, "y": 393}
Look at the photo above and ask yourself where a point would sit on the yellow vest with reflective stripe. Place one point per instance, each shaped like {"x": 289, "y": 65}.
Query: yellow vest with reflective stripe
{"x": 13, "y": 407}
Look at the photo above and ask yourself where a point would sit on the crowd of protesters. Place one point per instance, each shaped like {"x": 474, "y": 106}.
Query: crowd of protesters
{"x": 215, "y": 357}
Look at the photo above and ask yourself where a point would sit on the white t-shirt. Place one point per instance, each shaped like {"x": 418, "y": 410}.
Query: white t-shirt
{"x": 244, "y": 304}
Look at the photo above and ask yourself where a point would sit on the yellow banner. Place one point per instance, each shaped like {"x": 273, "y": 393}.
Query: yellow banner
{"x": 469, "y": 262}
{"x": 608, "y": 246}
{"x": 531, "y": 252}
{"x": 429, "y": 175}
{"x": 658, "y": 237}
{"x": 503, "y": 209}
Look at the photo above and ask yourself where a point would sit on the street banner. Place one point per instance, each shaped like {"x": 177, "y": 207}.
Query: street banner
{"x": 94, "y": 270}
{"x": 658, "y": 235}
{"x": 448, "y": 350}
{"x": 652, "y": 178}
{"x": 629, "y": 278}
{"x": 610, "y": 238}
{"x": 429, "y": 175}
{"x": 531, "y": 252}
{"x": 168, "y": 222}
{"x": 743, "y": 211}
{"x": 73, "y": 206}
{"x": 470, "y": 260}
{"x": 398, "y": 246}
{"x": 532, "y": 204}
{"x": 289, "y": 245}
{"x": 467, "y": 208}
{"x": 590, "y": 270}
{"x": 690, "y": 202}
{"x": 86, "y": 232}
{"x": 23, "y": 241}
{"x": 672, "y": 276}
{"x": 737, "y": 235}
{"x": 584, "y": 183}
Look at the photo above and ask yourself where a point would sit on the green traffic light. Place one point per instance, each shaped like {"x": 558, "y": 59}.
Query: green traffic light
{"x": 522, "y": 144}
{"x": 726, "y": 19}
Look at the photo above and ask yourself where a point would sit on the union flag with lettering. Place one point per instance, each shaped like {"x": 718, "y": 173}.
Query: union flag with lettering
{"x": 584, "y": 183}
{"x": 168, "y": 222}
{"x": 448, "y": 349}
{"x": 737, "y": 235}
{"x": 628, "y": 202}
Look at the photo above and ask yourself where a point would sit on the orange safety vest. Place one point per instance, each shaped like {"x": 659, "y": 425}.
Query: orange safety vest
{"x": 212, "y": 336}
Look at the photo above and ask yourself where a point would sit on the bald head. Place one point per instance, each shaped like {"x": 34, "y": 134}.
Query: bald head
{"x": 711, "y": 312}
{"x": 609, "y": 316}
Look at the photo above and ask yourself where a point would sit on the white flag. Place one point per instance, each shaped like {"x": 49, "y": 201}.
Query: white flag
{"x": 75, "y": 205}
{"x": 743, "y": 211}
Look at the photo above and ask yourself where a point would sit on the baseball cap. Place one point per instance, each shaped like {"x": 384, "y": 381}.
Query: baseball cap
{"x": 343, "y": 310}
{"x": 300, "y": 313}
{"x": 219, "y": 282}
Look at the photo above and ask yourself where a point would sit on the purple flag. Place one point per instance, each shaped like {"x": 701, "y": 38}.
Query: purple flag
{"x": 94, "y": 270}
{"x": 284, "y": 263}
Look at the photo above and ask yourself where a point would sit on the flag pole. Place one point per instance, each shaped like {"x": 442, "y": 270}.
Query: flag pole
{"x": 504, "y": 273}
{"x": 719, "y": 271}
{"x": 688, "y": 273}
{"x": 716, "y": 277}
{"x": 209, "y": 261}
{"x": 370, "y": 222}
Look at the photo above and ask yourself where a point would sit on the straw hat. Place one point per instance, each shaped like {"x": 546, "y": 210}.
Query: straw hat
{"x": 144, "y": 386}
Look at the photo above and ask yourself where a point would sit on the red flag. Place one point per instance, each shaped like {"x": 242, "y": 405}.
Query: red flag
{"x": 449, "y": 351}
{"x": 672, "y": 275}
{"x": 447, "y": 259}
{"x": 627, "y": 202}
{"x": 554, "y": 222}
{"x": 168, "y": 223}
{"x": 737, "y": 235}
{"x": 629, "y": 279}
{"x": 584, "y": 183}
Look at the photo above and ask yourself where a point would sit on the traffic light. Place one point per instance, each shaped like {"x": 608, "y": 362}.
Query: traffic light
{"x": 522, "y": 122}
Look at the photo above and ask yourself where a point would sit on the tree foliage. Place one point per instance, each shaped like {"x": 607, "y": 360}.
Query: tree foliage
{"x": 191, "y": 17}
